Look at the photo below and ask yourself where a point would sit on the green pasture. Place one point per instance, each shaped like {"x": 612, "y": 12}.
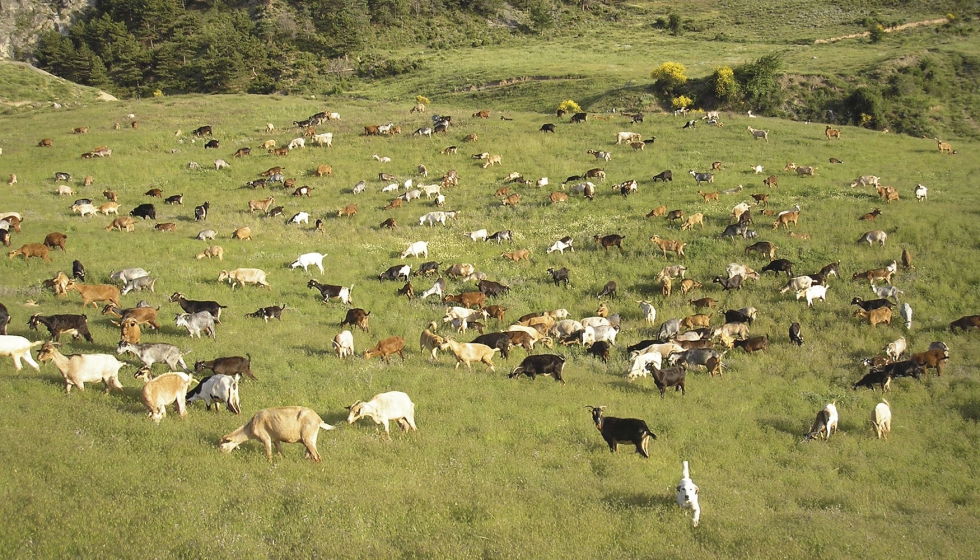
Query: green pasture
{"x": 500, "y": 468}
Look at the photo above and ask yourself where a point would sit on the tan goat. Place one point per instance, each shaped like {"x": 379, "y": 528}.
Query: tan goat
{"x": 272, "y": 426}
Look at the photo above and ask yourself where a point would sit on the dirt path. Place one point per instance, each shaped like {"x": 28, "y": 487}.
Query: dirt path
{"x": 902, "y": 27}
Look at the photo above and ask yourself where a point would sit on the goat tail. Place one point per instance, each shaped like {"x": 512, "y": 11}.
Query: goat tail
{"x": 687, "y": 472}
{"x": 325, "y": 426}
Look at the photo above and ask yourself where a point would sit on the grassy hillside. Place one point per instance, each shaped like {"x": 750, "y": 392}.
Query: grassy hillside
{"x": 500, "y": 467}
{"x": 23, "y": 87}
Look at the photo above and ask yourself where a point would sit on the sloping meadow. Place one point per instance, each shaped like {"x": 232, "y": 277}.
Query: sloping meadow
{"x": 500, "y": 467}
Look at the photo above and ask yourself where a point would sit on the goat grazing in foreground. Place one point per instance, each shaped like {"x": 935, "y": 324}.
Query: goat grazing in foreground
{"x": 273, "y": 426}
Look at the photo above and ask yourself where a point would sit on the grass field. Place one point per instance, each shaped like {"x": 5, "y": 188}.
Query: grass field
{"x": 500, "y": 468}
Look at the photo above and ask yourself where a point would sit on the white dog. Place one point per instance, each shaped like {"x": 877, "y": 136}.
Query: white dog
{"x": 687, "y": 495}
{"x": 825, "y": 423}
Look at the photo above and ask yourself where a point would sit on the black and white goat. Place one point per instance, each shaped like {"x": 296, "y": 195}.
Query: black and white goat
{"x": 215, "y": 389}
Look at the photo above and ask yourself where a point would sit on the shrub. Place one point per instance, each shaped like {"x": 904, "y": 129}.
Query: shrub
{"x": 758, "y": 83}
{"x": 877, "y": 33}
{"x": 680, "y": 102}
{"x": 422, "y": 99}
{"x": 674, "y": 24}
{"x": 866, "y": 107}
{"x": 569, "y": 106}
{"x": 669, "y": 76}
{"x": 726, "y": 86}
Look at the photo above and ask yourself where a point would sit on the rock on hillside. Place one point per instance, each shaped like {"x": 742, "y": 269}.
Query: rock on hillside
{"x": 22, "y": 20}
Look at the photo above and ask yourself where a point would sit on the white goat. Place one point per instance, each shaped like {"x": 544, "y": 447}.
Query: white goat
{"x": 649, "y": 312}
{"x": 881, "y": 418}
{"x": 896, "y": 348}
{"x": 639, "y": 367}
{"x": 18, "y": 348}
{"x": 306, "y": 259}
{"x": 343, "y": 344}
{"x": 812, "y": 293}
{"x": 905, "y": 310}
{"x": 478, "y": 235}
{"x": 417, "y": 249}
{"x": 393, "y": 405}
{"x": 78, "y": 369}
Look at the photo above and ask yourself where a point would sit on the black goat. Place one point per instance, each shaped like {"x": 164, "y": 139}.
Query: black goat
{"x": 669, "y": 377}
{"x": 733, "y": 283}
{"x": 195, "y": 306}
{"x": 600, "y": 350}
{"x": 871, "y": 304}
{"x": 427, "y": 268}
{"x": 4, "y": 319}
{"x": 608, "y": 290}
{"x": 615, "y": 430}
{"x": 874, "y": 377}
{"x": 78, "y": 270}
{"x": 779, "y": 265}
{"x": 496, "y": 340}
{"x": 75, "y": 325}
{"x": 794, "y": 334}
{"x": 559, "y": 276}
{"x": 492, "y": 289}
{"x": 144, "y": 211}
{"x": 271, "y": 312}
{"x": 541, "y": 364}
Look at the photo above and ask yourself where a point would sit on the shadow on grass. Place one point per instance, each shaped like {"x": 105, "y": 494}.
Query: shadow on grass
{"x": 623, "y": 500}
{"x": 781, "y": 425}
{"x": 970, "y": 411}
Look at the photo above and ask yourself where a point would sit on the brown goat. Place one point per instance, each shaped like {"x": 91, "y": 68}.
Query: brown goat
{"x": 669, "y": 245}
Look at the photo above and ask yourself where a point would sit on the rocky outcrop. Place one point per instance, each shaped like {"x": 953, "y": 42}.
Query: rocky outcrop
{"x": 22, "y": 20}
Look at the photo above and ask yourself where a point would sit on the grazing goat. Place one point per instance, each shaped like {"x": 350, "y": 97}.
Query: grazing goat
{"x": 881, "y": 419}
{"x": 824, "y": 424}
{"x": 272, "y": 426}
{"x": 343, "y": 344}
{"x": 876, "y": 316}
{"x": 215, "y": 389}
{"x": 469, "y": 352}
{"x": 383, "y": 408}
{"x": 196, "y": 322}
{"x": 874, "y": 236}
{"x": 94, "y": 294}
{"x": 385, "y": 348}
{"x": 965, "y": 323}
{"x": 615, "y": 430}
{"x": 542, "y": 364}
{"x": 150, "y": 354}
